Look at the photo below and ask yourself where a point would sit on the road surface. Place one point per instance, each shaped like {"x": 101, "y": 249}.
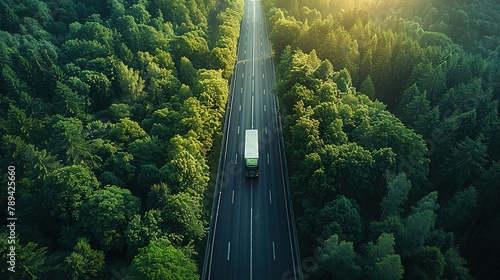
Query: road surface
{"x": 251, "y": 232}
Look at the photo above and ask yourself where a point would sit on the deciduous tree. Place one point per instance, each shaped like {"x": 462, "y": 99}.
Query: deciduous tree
{"x": 66, "y": 188}
{"x": 182, "y": 216}
{"x": 119, "y": 206}
{"x": 340, "y": 217}
{"x": 84, "y": 262}
{"x": 131, "y": 84}
{"x": 160, "y": 260}
{"x": 337, "y": 260}
{"x": 425, "y": 264}
{"x": 142, "y": 230}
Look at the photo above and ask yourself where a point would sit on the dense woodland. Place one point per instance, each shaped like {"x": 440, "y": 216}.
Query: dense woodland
{"x": 391, "y": 123}
{"x": 108, "y": 112}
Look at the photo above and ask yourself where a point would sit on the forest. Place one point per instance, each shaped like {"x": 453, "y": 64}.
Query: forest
{"x": 110, "y": 112}
{"x": 391, "y": 127}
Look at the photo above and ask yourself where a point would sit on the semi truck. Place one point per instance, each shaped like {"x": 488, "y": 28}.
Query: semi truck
{"x": 251, "y": 153}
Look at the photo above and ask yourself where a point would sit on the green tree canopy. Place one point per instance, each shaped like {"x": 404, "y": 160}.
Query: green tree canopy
{"x": 417, "y": 225}
{"x": 66, "y": 188}
{"x": 340, "y": 217}
{"x": 425, "y": 264}
{"x": 182, "y": 216}
{"x": 284, "y": 32}
{"x": 106, "y": 213}
{"x": 84, "y": 262}
{"x": 458, "y": 209}
{"x": 387, "y": 268}
{"x": 368, "y": 88}
{"x": 142, "y": 230}
{"x": 187, "y": 170}
{"x": 456, "y": 266}
{"x": 399, "y": 188}
{"x": 32, "y": 261}
{"x": 337, "y": 260}
{"x": 161, "y": 261}
{"x": 127, "y": 131}
{"x": 68, "y": 140}
{"x": 383, "y": 247}
{"x": 465, "y": 160}
{"x": 131, "y": 84}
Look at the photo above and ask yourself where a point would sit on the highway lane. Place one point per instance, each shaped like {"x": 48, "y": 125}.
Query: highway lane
{"x": 251, "y": 233}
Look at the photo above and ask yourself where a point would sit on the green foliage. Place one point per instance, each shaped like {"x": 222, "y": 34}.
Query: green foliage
{"x": 68, "y": 102}
{"x": 131, "y": 84}
{"x": 433, "y": 80}
{"x": 91, "y": 31}
{"x": 160, "y": 81}
{"x": 66, "y": 188}
{"x": 109, "y": 178}
{"x": 186, "y": 171}
{"x": 381, "y": 259}
{"x": 399, "y": 187}
{"x": 465, "y": 160}
{"x": 487, "y": 188}
{"x": 182, "y": 215}
{"x": 337, "y": 260}
{"x": 426, "y": 263}
{"x": 384, "y": 247}
{"x": 157, "y": 196}
{"x": 147, "y": 150}
{"x": 283, "y": 33}
{"x": 100, "y": 87}
{"x": 127, "y": 131}
{"x": 92, "y": 87}
{"x": 120, "y": 207}
{"x": 139, "y": 13}
{"x": 305, "y": 133}
{"x": 367, "y": 87}
{"x": 434, "y": 63}
{"x": 456, "y": 211}
{"x": 119, "y": 111}
{"x": 142, "y": 230}
{"x": 84, "y": 262}
{"x": 418, "y": 224}
{"x": 18, "y": 123}
{"x": 392, "y": 224}
{"x": 340, "y": 217}
{"x": 160, "y": 260}
{"x": 148, "y": 176}
{"x": 32, "y": 261}
{"x": 342, "y": 50}
{"x": 40, "y": 162}
{"x": 10, "y": 21}
{"x": 223, "y": 55}
{"x": 121, "y": 164}
{"x": 193, "y": 45}
{"x": 455, "y": 266}
{"x": 409, "y": 55}
{"x": 84, "y": 49}
{"x": 68, "y": 140}
{"x": 187, "y": 73}
{"x": 388, "y": 267}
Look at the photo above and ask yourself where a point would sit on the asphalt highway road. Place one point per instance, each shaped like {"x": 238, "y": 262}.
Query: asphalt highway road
{"x": 251, "y": 234}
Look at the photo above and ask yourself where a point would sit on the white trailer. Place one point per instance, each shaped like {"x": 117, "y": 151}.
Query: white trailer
{"x": 251, "y": 153}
